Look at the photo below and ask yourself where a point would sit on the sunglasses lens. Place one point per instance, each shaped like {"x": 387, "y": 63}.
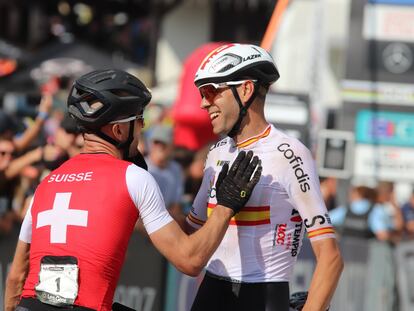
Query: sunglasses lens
{"x": 208, "y": 91}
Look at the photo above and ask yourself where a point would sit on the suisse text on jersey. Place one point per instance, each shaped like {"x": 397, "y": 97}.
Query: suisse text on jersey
{"x": 86, "y": 176}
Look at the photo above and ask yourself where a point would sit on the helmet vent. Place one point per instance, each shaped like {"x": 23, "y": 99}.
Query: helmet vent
{"x": 228, "y": 67}
{"x": 90, "y": 109}
{"x": 102, "y": 76}
{"x": 120, "y": 93}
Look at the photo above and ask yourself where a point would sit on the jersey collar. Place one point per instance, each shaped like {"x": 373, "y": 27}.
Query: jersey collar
{"x": 254, "y": 139}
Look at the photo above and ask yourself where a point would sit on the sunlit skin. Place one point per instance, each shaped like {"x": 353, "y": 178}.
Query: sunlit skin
{"x": 223, "y": 110}
{"x": 118, "y": 131}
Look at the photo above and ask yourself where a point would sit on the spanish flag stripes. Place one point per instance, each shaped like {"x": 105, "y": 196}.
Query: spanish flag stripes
{"x": 248, "y": 216}
{"x": 254, "y": 138}
{"x": 320, "y": 231}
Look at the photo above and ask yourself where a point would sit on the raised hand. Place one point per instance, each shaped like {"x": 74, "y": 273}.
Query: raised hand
{"x": 234, "y": 186}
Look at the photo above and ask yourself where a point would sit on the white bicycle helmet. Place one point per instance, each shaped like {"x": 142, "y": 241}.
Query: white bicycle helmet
{"x": 233, "y": 62}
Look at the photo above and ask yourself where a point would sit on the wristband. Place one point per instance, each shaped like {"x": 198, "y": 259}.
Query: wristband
{"x": 42, "y": 115}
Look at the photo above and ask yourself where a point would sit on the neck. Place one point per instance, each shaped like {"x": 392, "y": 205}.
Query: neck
{"x": 250, "y": 127}
{"x": 95, "y": 144}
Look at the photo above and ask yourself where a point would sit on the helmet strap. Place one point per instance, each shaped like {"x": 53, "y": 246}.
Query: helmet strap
{"x": 120, "y": 145}
{"x": 243, "y": 109}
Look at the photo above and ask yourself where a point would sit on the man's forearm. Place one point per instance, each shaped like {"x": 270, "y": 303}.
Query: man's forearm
{"x": 17, "y": 275}
{"x": 12, "y": 294}
{"x": 324, "y": 281}
{"x": 205, "y": 241}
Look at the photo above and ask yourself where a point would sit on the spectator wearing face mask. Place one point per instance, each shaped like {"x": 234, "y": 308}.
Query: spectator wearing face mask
{"x": 167, "y": 172}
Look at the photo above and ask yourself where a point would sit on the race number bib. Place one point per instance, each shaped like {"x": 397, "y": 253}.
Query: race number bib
{"x": 58, "y": 280}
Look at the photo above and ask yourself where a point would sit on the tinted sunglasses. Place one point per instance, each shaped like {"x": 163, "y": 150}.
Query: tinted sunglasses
{"x": 210, "y": 90}
{"x": 139, "y": 117}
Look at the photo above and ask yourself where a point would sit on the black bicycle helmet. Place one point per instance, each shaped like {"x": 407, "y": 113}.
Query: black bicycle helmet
{"x": 121, "y": 94}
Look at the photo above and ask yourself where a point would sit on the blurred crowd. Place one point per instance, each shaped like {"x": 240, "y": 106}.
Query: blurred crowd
{"x": 370, "y": 212}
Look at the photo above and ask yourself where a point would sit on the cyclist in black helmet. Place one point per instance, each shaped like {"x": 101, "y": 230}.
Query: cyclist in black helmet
{"x": 78, "y": 225}
{"x": 251, "y": 268}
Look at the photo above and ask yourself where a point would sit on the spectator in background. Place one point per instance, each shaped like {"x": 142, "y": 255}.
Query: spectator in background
{"x": 364, "y": 216}
{"x": 386, "y": 198}
{"x": 192, "y": 164}
{"x": 62, "y": 144}
{"x": 166, "y": 171}
{"x": 357, "y": 218}
{"x": 328, "y": 190}
{"x": 65, "y": 143}
{"x": 8, "y": 128}
{"x": 408, "y": 214}
{"x": 10, "y": 170}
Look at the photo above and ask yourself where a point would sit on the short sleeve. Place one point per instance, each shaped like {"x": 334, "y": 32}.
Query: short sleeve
{"x": 378, "y": 219}
{"x": 198, "y": 213}
{"x": 26, "y": 229}
{"x": 300, "y": 179}
{"x": 147, "y": 197}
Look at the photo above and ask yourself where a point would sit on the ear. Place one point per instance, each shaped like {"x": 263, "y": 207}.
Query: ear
{"x": 247, "y": 90}
{"x": 116, "y": 130}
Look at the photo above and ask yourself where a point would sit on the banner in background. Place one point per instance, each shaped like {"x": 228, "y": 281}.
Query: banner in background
{"x": 380, "y": 60}
{"x": 384, "y": 163}
{"x": 385, "y": 128}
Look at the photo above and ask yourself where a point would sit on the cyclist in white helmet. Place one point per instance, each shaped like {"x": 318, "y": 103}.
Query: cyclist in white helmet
{"x": 252, "y": 267}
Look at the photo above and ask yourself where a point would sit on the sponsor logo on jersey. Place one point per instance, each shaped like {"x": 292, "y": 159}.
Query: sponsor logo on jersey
{"x": 295, "y": 218}
{"x": 218, "y": 144}
{"x": 280, "y": 234}
{"x": 212, "y": 189}
{"x": 222, "y": 162}
{"x": 318, "y": 220}
{"x": 296, "y": 164}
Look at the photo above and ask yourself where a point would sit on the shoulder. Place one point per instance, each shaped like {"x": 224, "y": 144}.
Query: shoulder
{"x": 290, "y": 152}
{"x": 288, "y": 145}
{"x": 378, "y": 212}
{"x": 138, "y": 176}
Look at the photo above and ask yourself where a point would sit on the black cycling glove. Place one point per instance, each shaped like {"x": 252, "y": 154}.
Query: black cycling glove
{"x": 234, "y": 186}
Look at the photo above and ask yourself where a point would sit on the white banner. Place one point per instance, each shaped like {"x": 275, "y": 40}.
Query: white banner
{"x": 384, "y": 162}
{"x": 389, "y": 23}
